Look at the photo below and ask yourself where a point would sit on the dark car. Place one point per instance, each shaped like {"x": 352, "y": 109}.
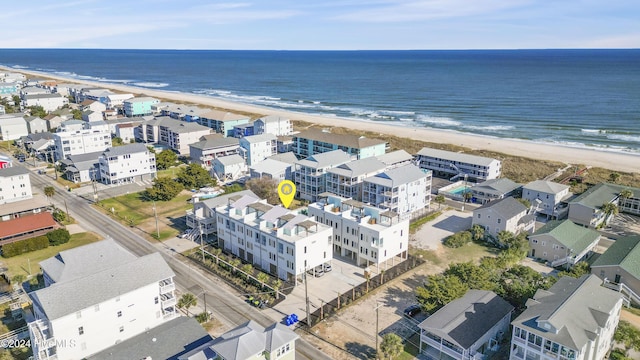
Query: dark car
{"x": 412, "y": 310}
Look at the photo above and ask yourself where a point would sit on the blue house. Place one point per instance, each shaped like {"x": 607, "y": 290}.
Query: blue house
{"x": 240, "y": 131}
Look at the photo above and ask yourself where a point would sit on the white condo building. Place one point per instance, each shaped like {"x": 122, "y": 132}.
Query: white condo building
{"x": 449, "y": 164}
{"x": 405, "y": 190}
{"x": 310, "y": 174}
{"x": 76, "y": 140}
{"x": 346, "y": 180}
{"x": 365, "y": 234}
{"x": 273, "y": 124}
{"x": 126, "y": 164}
{"x": 12, "y": 127}
{"x": 256, "y": 148}
{"x": 15, "y": 184}
{"x": 49, "y": 102}
{"x": 96, "y": 296}
{"x": 277, "y": 240}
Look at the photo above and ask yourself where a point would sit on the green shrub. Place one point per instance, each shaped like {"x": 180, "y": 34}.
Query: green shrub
{"x": 458, "y": 239}
{"x": 58, "y": 237}
{"x": 25, "y": 246}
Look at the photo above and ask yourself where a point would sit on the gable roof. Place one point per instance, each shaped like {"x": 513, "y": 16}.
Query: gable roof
{"x": 507, "y": 207}
{"x": 25, "y": 224}
{"x": 547, "y": 187}
{"x": 624, "y": 252}
{"x": 125, "y": 149}
{"x": 394, "y": 157}
{"x": 230, "y": 159}
{"x": 359, "y": 167}
{"x": 272, "y": 119}
{"x": 252, "y": 139}
{"x": 270, "y": 166}
{"x": 352, "y": 141}
{"x": 322, "y": 160}
{"x": 219, "y": 115}
{"x": 397, "y": 176}
{"x": 214, "y": 141}
{"x": 572, "y": 236}
{"x": 602, "y": 193}
{"x": 288, "y": 157}
{"x": 575, "y": 307}
{"x": 501, "y": 185}
{"x": 456, "y": 156}
{"x": 177, "y": 126}
{"x": 464, "y": 321}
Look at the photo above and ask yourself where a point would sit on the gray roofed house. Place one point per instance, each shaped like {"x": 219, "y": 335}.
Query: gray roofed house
{"x": 396, "y": 176}
{"x": 465, "y": 327}
{"x": 585, "y": 209}
{"x": 548, "y": 197}
{"x": 494, "y": 189}
{"x": 214, "y": 141}
{"x": 81, "y": 167}
{"x": 359, "y": 167}
{"x": 13, "y": 171}
{"x": 125, "y": 149}
{"x": 324, "y": 160}
{"x": 168, "y": 341}
{"x": 212, "y": 146}
{"x": 575, "y": 317}
{"x": 288, "y": 157}
{"x": 310, "y": 173}
{"x": 396, "y": 158}
{"x": 271, "y": 169}
{"x": 506, "y": 214}
{"x": 204, "y": 212}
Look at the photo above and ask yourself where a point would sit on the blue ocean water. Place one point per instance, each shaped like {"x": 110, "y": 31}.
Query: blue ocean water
{"x": 573, "y": 97}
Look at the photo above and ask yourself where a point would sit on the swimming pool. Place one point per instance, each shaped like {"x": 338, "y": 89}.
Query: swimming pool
{"x": 459, "y": 190}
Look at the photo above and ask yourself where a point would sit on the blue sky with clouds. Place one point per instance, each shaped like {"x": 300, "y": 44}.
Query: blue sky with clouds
{"x": 322, "y": 25}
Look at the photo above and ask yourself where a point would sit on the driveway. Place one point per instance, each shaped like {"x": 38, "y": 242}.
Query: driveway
{"x": 431, "y": 235}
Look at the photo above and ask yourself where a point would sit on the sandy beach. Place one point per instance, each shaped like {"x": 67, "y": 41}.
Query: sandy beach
{"x": 605, "y": 159}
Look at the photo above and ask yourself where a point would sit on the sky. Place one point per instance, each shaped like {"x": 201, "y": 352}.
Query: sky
{"x": 321, "y": 24}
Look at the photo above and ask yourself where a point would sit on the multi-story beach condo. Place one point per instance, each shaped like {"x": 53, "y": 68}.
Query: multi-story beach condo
{"x": 126, "y": 164}
{"x": 49, "y": 102}
{"x": 256, "y": 148}
{"x": 365, "y": 234}
{"x": 310, "y": 174}
{"x": 203, "y": 215}
{"x": 211, "y": 147}
{"x": 405, "y": 190}
{"x": 281, "y": 242}
{"x": 80, "y": 138}
{"x": 317, "y": 141}
{"x": 12, "y": 127}
{"x": 15, "y": 184}
{"x": 180, "y": 112}
{"x": 586, "y": 209}
{"x": 96, "y": 296}
{"x": 346, "y": 180}
{"x": 222, "y": 122}
{"x": 546, "y": 197}
{"x": 139, "y": 106}
{"x": 273, "y": 124}
{"x": 575, "y": 319}
{"x": 175, "y": 134}
{"x": 396, "y": 158}
{"x": 449, "y": 164}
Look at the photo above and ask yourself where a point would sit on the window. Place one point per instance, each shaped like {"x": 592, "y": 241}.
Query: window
{"x": 119, "y": 313}
{"x": 534, "y": 241}
{"x": 156, "y": 300}
{"x": 81, "y": 330}
{"x": 121, "y": 328}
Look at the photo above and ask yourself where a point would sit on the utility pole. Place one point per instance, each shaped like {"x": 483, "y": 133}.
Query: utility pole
{"x": 306, "y": 296}
{"x": 67, "y": 216}
{"x": 377, "y": 324}
{"x": 155, "y": 214}
{"x": 201, "y": 241}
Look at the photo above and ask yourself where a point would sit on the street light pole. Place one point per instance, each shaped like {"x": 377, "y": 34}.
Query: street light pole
{"x": 155, "y": 214}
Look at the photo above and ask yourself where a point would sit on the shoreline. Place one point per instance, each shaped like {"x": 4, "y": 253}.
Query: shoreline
{"x": 617, "y": 161}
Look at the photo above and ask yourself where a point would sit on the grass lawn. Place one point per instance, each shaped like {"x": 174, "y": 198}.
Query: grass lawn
{"x": 132, "y": 210}
{"x": 470, "y": 252}
{"x": 170, "y": 172}
{"x": 411, "y": 348}
{"x": 19, "y": 265}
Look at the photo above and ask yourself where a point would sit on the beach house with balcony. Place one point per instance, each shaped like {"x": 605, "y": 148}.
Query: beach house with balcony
{"x": 507, "y": 214}
{"x": 79, "y": 137}
{"x": 175, "y": 134}
{"x": 13, "y": 127}
{"x": 468, "y": 328}
{"x": 346, "y": 180}
{"x": 273, "y": 124}
{"x": 126, "y": 164}
{"x": 81, "y": 167}
{"x": 367, "y": 235}
{"x": 75, "y": 318}
{"x": 574, "y": 320}
{"x": 395, "y": 159}
{"x": 310, "y": 174}
{"x": 283, "y": 243}
{"x": 203, "y": 215}
{"x": 211, "y": 147}
{"x": 494, "y": 189}
{"x": 222, "y": 122}
{"x": 15, "y": 184}
{"x": 317, "y": 141}
{"x": 276, "y": 168}
{"x": 256, "y": 148}
{"x": 139, "y": 106}
{"x": 243, "y": 130}
{"x": 49, "y": 102}
{"x": 547, "y": 197}
{"x": 619, "y": 267}
{"x": 586, "y": 209}
{"x": 448, "y": 164}
{"x": 561, "y": 241}
{"x": 228, "y": 168}
{"x": 404, "y": 190}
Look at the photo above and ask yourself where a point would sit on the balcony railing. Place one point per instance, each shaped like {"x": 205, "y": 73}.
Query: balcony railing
{"x": 168, "y": 300}
{"x": 166, "y": 286}
{"x": 42, "y": 332}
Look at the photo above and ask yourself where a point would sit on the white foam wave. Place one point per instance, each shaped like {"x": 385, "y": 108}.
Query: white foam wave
{"x": 19, "y": 67}
{"x": 631, "y": 138}
{"x": 151, "y": 84}
{"x": 593, "y": 131}
{"x": 437, "y": 120}
{"x": 490, "y": 128}
{"x": 397, "y": 112}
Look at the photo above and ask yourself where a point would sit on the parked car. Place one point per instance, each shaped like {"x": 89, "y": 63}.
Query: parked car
{"x": 319, "y": 272}
{"x": 327, "y": 267}
{"x": 412, "y": 310}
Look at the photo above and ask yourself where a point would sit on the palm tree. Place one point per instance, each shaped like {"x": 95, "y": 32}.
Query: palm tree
{"x": 608, "y": 209}
{"x": 391, "y": 346}
{"x": 234, "y": 264}
{"x": 276, "y": 285}
{"x": 262, "y": 278}
{"x": 49, "y": 191}
{"x": 439, "y": 200}
{"x": 216, "y": 252}
{"x": 624, "y": 195}
{"x": 248, "y": 270}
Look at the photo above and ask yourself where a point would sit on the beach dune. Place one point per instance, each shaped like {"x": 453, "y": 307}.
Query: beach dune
{"x": 617, "y": 161}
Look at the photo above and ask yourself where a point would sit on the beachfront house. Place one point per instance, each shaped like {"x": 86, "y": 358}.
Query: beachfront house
{"x": 587, "y": 208}
{"x": 561, "y": 242}
{"x": 35, "y": 124}
{"x": 404, "y": 190}
{"x": 365, "y": 234}
{"x": 256, "y": 148}
{"x": 13, "y": 127}
{"x": 126, "y": 164}
{"x": 281, "y": 242}
{"x": 139, "y": 106}
{"x": 574, "y": 319}
{"x": 175, "y": 134}
{"x": 15, "y": 184}
{"x": 468, "y": 328}
{"x": 396, "y": 159}
{"x": 115, "y": 101}
{"x": 619, "y": 267}
{"x": 494, "y": 189}
{"x": 273, "y": 124}
{"x": 316, "y": 141}
{"x": 449, "y": 164}
{"x": 228, "y": 168}
{"x": 188, "y": 113}
{"x": 346, "y": 180}
{"x": 92, "y": 317}
{"x": 547, "y": 197}
{"x": 212, "y": 146}
{"x": 507, "y": 214}
{"x": 310, "y": 174}
{"x": 222, "y": 122}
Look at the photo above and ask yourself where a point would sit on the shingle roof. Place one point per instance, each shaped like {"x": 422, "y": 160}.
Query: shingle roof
{"x": 177, "y": 126}
{"x": 352, "y": 141}
{"x": 576, "y": 307}
{"x": 272, "y": 119}
{"x": 358, "y": 167}
{"x": 501, "y": 185}
{"x": 455, "y": 156}
{"x": 214, "y": 141}
{"x": 270, "y": 166}
{"x": 330, "y": 158}
{"x": 507, "y": 207}
{"x": 230, "y": 159}
{"x": 572, "y": 236}
{"x": 222, "y": 115}
{"x": 13, "y": 171}
{"x": 42, "y": 96}
{"x": 548, "y": 187}
{"x": 400, "y": 175}
{"x": 25, "y": 224}
{"x": 141, "y": 99}
{"x": 624, "y": 252}
{"x": 252, "y": 139}
{"x": 223, "y": 199}
{"x": 68, "y": 297}
{"x": 78, "y": 158}
{"x": 601, "y": 194}
{"x": 165, "y": 341}
{"x": 288, "y": 157}
{"x": 464, "y": 321}
{"x": 125, "y": 149}
{"x": 395, "y": 157}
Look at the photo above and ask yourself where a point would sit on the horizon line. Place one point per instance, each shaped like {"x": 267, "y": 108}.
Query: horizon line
{"x": 330, "y": 50}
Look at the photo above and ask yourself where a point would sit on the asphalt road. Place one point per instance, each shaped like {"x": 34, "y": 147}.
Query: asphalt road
{"x": 220, "y": 301}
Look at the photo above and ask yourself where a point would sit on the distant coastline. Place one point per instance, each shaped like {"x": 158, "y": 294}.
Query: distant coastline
{"x": 618, "y": 161}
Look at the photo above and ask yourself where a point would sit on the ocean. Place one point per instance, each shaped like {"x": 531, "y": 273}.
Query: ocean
{"x": 581, "y": 98}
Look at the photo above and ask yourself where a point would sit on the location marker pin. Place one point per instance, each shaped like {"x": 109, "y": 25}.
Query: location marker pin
{"x": 286, "y": 190}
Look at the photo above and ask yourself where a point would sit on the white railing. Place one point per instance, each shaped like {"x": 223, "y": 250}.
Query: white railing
{"x": 629, "y": 294}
